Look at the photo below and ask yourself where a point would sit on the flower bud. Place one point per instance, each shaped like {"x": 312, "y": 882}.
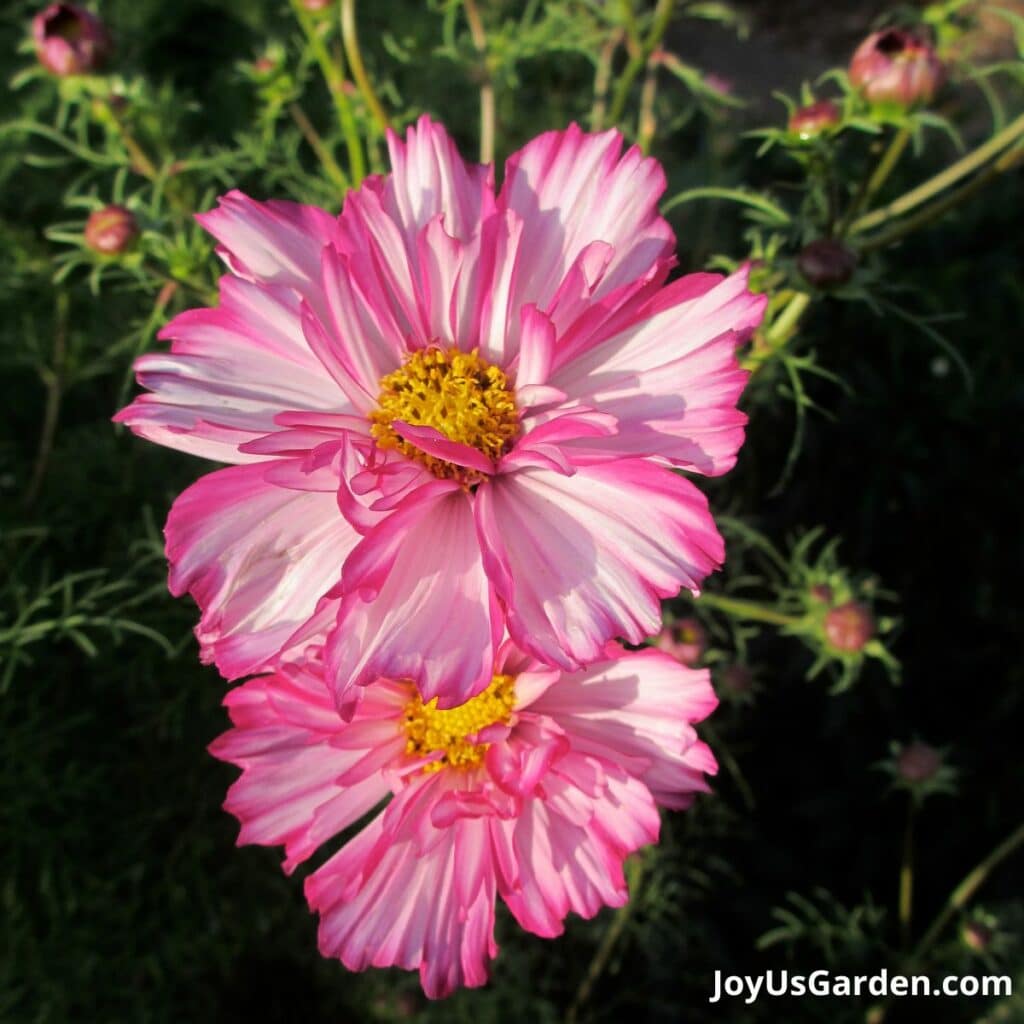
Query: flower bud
{"x": 917, "y": 762}
{"x": 685, "y": 640}
{"x": 827, "y": 262}
{"x": 111, "y": 231}
{"x": 848, "y": 627}
{"x": 821, "y": 592}
{"x": 976, "y": 936}
{"x": 735, "y": 680}
{"x": 69, "y": 40}
{"x": 895, "y": 66}
{"x": 814, "y": 119}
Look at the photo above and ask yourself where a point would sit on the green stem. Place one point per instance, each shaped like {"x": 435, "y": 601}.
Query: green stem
{"x": 785, "y": 323}
{"x": 634, "y": 875}
{"x": 647, "y": 123}
{"x": 871, "y": 184}
{"x": 603, "y": 78}
{"x": 780, "y": 331}
{"x": 902, "y": 228}
{"x": 906, "y": 898}
{"x": 743, "y": 609}
{"x": 140, "y": 161}
{"x": 335, "y": 79}
{"x": 662, "y": 16}
{"x": 487, "y": 114}
{"x": 944, "y": 179}
{"x": 350, "y": 40}
{"x": 317, "y": 144}
{"x": 53, "y": 380}
{"x": 963, "y": 893}
{"x": 888, "y": 162}
{"x": 958, "y": 900}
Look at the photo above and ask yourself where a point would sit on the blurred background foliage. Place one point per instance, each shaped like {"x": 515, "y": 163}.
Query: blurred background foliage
{"x": 882, "y": 468}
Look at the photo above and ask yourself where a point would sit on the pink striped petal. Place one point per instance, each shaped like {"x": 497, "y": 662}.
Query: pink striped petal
{"x": 443, "y": 924}
{"x": 256, "y": 558}
{"x": 638, "y": 707}
{"x": 274, "y": 242}
{"x": 578, "y": 560}
{"x": 416, "y": 603}
{"x": 672, "y": 380}
{"x": 429, "y": 179}
{"x": 231, "y": 370}
{"x": 572, "y": 189}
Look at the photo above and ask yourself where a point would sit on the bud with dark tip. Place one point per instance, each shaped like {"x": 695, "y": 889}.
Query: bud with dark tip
{"x": 70, "y": 40}
{"x": 815, "y": 118}
{"x": 111, "y": 231}
{"x": 917, "y": 762}
{"x": 821, "y": 592}
{"x": 686, "y": 640}
{"x": 827, "y": 262}
{"x": 849, "y": 627}
{"x": 896, "y": 67}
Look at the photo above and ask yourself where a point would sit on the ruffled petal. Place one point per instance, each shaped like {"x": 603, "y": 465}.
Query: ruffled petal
{"x": 230, "y": 371}
{"x": 257, "y": 558}
{"x": 579, "y": 560}
{"x": 672, "y": 379}
{"x": 416, "y": 603}
{"x": 429, "y": 178}
{"x": 565, "y": 852}
{"x": 283, "y": 739}
{"x": 638, "y": 708}
{"x": 275, "y": 242}
{"x": 392, "y": 905}
{"x": 573, "y": 188}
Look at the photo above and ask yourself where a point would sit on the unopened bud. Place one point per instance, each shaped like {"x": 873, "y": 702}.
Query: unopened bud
{"x": 827, "y": 262}
{"x": 814, "y": 118}
{"x": 70, "y": 40}
{"x": 735, "y": 680}
{"x": 918, "y": 762}
{"x": 111, "y": 231}
{"x": 848, "y": 627}
{"x": 821, "y": 592}
{"x": 686, "y": 640}
{"x": 976, "y": 936}
{"x": 895, "y": 66}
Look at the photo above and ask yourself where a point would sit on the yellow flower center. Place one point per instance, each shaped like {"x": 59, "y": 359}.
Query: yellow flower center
{"x": 459, "y": 395}
{"x": 429, "y": 729}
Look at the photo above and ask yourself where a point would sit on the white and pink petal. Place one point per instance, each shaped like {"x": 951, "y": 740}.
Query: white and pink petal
{"x": 579, "y": 560}
{"x": 256, "y": 558}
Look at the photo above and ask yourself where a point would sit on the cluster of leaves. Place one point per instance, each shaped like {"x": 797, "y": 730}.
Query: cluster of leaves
{"x": 122, "y": 896}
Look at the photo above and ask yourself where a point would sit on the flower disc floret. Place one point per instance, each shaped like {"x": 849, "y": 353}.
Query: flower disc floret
{"x": 457, "y": 393}
{"x": 452, "y": 731}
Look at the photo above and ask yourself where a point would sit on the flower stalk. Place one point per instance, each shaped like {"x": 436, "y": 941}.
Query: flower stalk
{"x": 640, "y": 53}
{"x": 743, "y": 609}
{"x": 323, "y": 153}
{"x": 966, "y": 165}
{"x": 336, "y": 86}
{"x": 487, "y": 112}
{"x": 350, "y": 40}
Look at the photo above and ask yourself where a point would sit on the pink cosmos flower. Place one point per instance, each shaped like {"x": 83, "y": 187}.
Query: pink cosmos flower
{"x": 451, "y": 412}
{"x": 536, "y": 790}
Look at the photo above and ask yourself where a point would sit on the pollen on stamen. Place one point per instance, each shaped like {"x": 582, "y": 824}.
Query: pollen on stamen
{"x": 429, "y": 729}
{"x": 457, "y": 393}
